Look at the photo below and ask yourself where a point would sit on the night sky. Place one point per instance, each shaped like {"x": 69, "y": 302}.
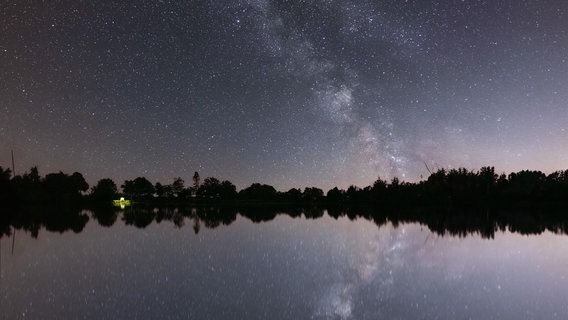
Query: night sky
{"x": 287, "y": 93}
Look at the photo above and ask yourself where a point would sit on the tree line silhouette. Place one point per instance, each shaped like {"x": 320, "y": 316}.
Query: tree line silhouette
{"x": 447, "y": 188}
{"x": 456, "y": 202}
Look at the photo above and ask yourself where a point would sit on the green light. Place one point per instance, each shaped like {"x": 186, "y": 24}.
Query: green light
{"x": 121, "y": 203}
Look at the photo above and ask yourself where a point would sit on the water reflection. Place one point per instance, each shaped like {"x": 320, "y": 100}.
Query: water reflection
{"x": 51, "y": 219}
{"x": 442, "y": 221}
{"x": 228, "y": 265}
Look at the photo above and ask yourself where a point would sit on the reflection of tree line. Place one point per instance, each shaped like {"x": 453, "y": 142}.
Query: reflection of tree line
{"x": 463, "y": 222}
{"x": 32, "y": 220}
{"x": 441, "y": 221}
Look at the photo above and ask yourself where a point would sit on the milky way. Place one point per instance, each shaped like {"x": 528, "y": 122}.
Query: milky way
{"x": 288, "y": 93}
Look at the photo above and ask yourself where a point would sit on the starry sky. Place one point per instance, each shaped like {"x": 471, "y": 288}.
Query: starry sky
{"x": 288, "y": 93}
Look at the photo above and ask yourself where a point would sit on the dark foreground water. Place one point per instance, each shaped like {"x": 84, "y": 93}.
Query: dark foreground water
{"x": 287, "y": 268}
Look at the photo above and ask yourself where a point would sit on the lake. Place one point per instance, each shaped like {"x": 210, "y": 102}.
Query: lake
{"x": 284, "y": 268}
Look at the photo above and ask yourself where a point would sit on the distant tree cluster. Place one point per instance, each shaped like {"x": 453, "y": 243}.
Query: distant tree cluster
{"x": 211, "y": 189}
{"x": 30, "y": 187}
{"x": 455, "y": 187}
{"x": 462, "y": 187}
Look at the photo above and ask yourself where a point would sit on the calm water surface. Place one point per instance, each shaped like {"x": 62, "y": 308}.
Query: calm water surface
{"x": 287, "y": 268}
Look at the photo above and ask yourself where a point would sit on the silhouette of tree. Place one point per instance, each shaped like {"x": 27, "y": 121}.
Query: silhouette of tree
{"x": 178, "y": 187}
{"x": 292, "y": 195}
{"x": 353, "y": 194}
{"x": 488, "y": 177}
{"x": 104, "y": 191}
{"x": 259, "y": 192}
{"x": 312, "y": 194}
{"x": 64, "y": 189}
{"x": 7, "y": 192}
{"x": 557, "y": 186}
{"x": 144, "y": 187}
{"x": 128, "y": 188}
{"x": 168, "y": 192}
{"x": 29, "y": 187}
{"x": 196, "y": 182}
{"x": 138, "y": 189}
{"x": 335, "y": 195}
{"x": 5, "y": 174}
{"x": 160, "y": 190}
{"x": 33, "y": 176}
{"x": 526, "y": 184}
{"x": 212, "y": 188}
{"x": 78, "y": 182}
{"x": 185, "y": 193}
{"x": 379, "y": 190}
{"x": 56, "y": 183}
{"x": 228, "y": 190}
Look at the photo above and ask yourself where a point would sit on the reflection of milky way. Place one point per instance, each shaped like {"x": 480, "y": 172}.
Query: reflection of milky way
{"x": 375, "y": 265}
